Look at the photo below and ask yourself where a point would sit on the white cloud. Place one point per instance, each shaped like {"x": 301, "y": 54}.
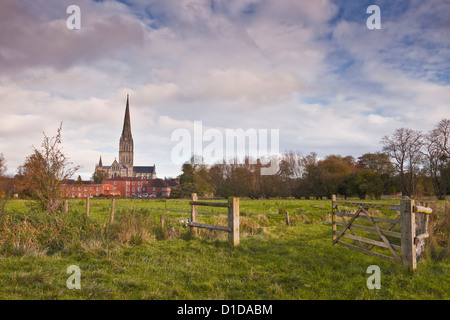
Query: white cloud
{"x": 245, "y": 86}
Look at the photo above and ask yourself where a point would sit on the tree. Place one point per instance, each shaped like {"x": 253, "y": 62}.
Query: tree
{"x": 333, "y": 171}
{"x": 183, "y": 191}
{"x": 3, "y": 185}
{"x": 404, "y": 149}
{"x": 328, "y": 176}
{"x": 291, "y": 171}
{"x": 2, "y": 177}
{"x": 218, "y": 173}
{"x": 437, "y": 154}
{"x": 99, "y": 176}
{"x": 369, "y": 183}
{"x": 45, "y": 170}
{"x": 202, "y": 180}
{"x": 376, "y": 164}
{"x": 196, "y": 176}
{"x": 79, "y": 180}
{"x": 309, "y": 183}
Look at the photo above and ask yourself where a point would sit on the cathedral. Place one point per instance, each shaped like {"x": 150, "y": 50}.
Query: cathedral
{"x": 125, "y": 166}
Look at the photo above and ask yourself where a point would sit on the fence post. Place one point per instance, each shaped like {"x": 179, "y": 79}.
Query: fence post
{"x": 407, "y": 219}
{"x": 233, "y": 220}
{"x": 87, "y": 205}
{"x": 194, "y": 213}
{"x": 333, "y": 224}
{"x": 423, "y": 220}
{"x": 111, "y": 216}
{"x": 66, "y": 206}
{"x": 287, "y": 219}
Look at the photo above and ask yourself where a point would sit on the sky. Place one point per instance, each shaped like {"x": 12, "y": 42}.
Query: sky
{"x": 312, "y": 70}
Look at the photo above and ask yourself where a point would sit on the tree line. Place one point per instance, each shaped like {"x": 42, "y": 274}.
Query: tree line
{"x": 410, "y": 162}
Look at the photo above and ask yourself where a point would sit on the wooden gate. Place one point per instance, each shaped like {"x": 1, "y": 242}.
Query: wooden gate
{"x": 401, "y": 235}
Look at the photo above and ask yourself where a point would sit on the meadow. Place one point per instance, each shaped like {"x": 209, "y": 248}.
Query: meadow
{"x": 138, "y": 258}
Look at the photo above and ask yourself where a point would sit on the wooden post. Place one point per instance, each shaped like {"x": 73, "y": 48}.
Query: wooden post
{"x": 233, "y": 220}
{"x": 287, "y": 218}
{"x": 194, "y": 213}
{"x": 408, "y": 232}
{"x": 111, "y": 216}
{"x": 66, "y": 206}
{"x": 445, "y": 209}
{"x": 422, "y": 220}
{"x": 161, "y": 221}
{"x": 87, "y": 205}
{"x": 333, "y": 218}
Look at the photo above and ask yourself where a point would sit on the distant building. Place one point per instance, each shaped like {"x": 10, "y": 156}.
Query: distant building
{"x": 128, "y": 186}
{"x": 117, "y": 186}
{"x": 125, "y": 166}
{"x": 73, "y": 189}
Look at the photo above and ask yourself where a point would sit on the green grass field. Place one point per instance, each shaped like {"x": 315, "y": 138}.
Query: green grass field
{"x": 137, "y": 259}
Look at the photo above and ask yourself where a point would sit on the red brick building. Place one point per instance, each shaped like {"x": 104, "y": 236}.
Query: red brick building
{"x": 72, "y": 189}
{"x": 128, "y": 186}
{"x": 117, "y": 186}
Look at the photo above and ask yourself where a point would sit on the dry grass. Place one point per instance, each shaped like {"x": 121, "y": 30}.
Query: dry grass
{"x": 439, "y": 229}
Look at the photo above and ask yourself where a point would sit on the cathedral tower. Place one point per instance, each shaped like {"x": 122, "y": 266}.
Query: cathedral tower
{"x": 126, "y": 153}
{"x": 125, "y": 166}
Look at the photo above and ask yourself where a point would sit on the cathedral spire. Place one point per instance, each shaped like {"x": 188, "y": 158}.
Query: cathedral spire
{"x": 126, "y": 141}
{"x": 126, "y": 131}
{"x": 100, "y": 164}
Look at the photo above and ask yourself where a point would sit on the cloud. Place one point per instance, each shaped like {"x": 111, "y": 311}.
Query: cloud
{"x": 31, "y": 38}
{"x": 246, "y": 87}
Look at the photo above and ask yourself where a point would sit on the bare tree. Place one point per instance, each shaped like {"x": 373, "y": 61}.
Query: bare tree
{"x": 291, "y": 165}
{"x": 442, "y": 137}
{"x": 291, "y": 171}
{"x": 437, "y": 154}
{"x": 46, "y": 169}
{"x": 404, "y": 149}
{"x": 2, "y": 172}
